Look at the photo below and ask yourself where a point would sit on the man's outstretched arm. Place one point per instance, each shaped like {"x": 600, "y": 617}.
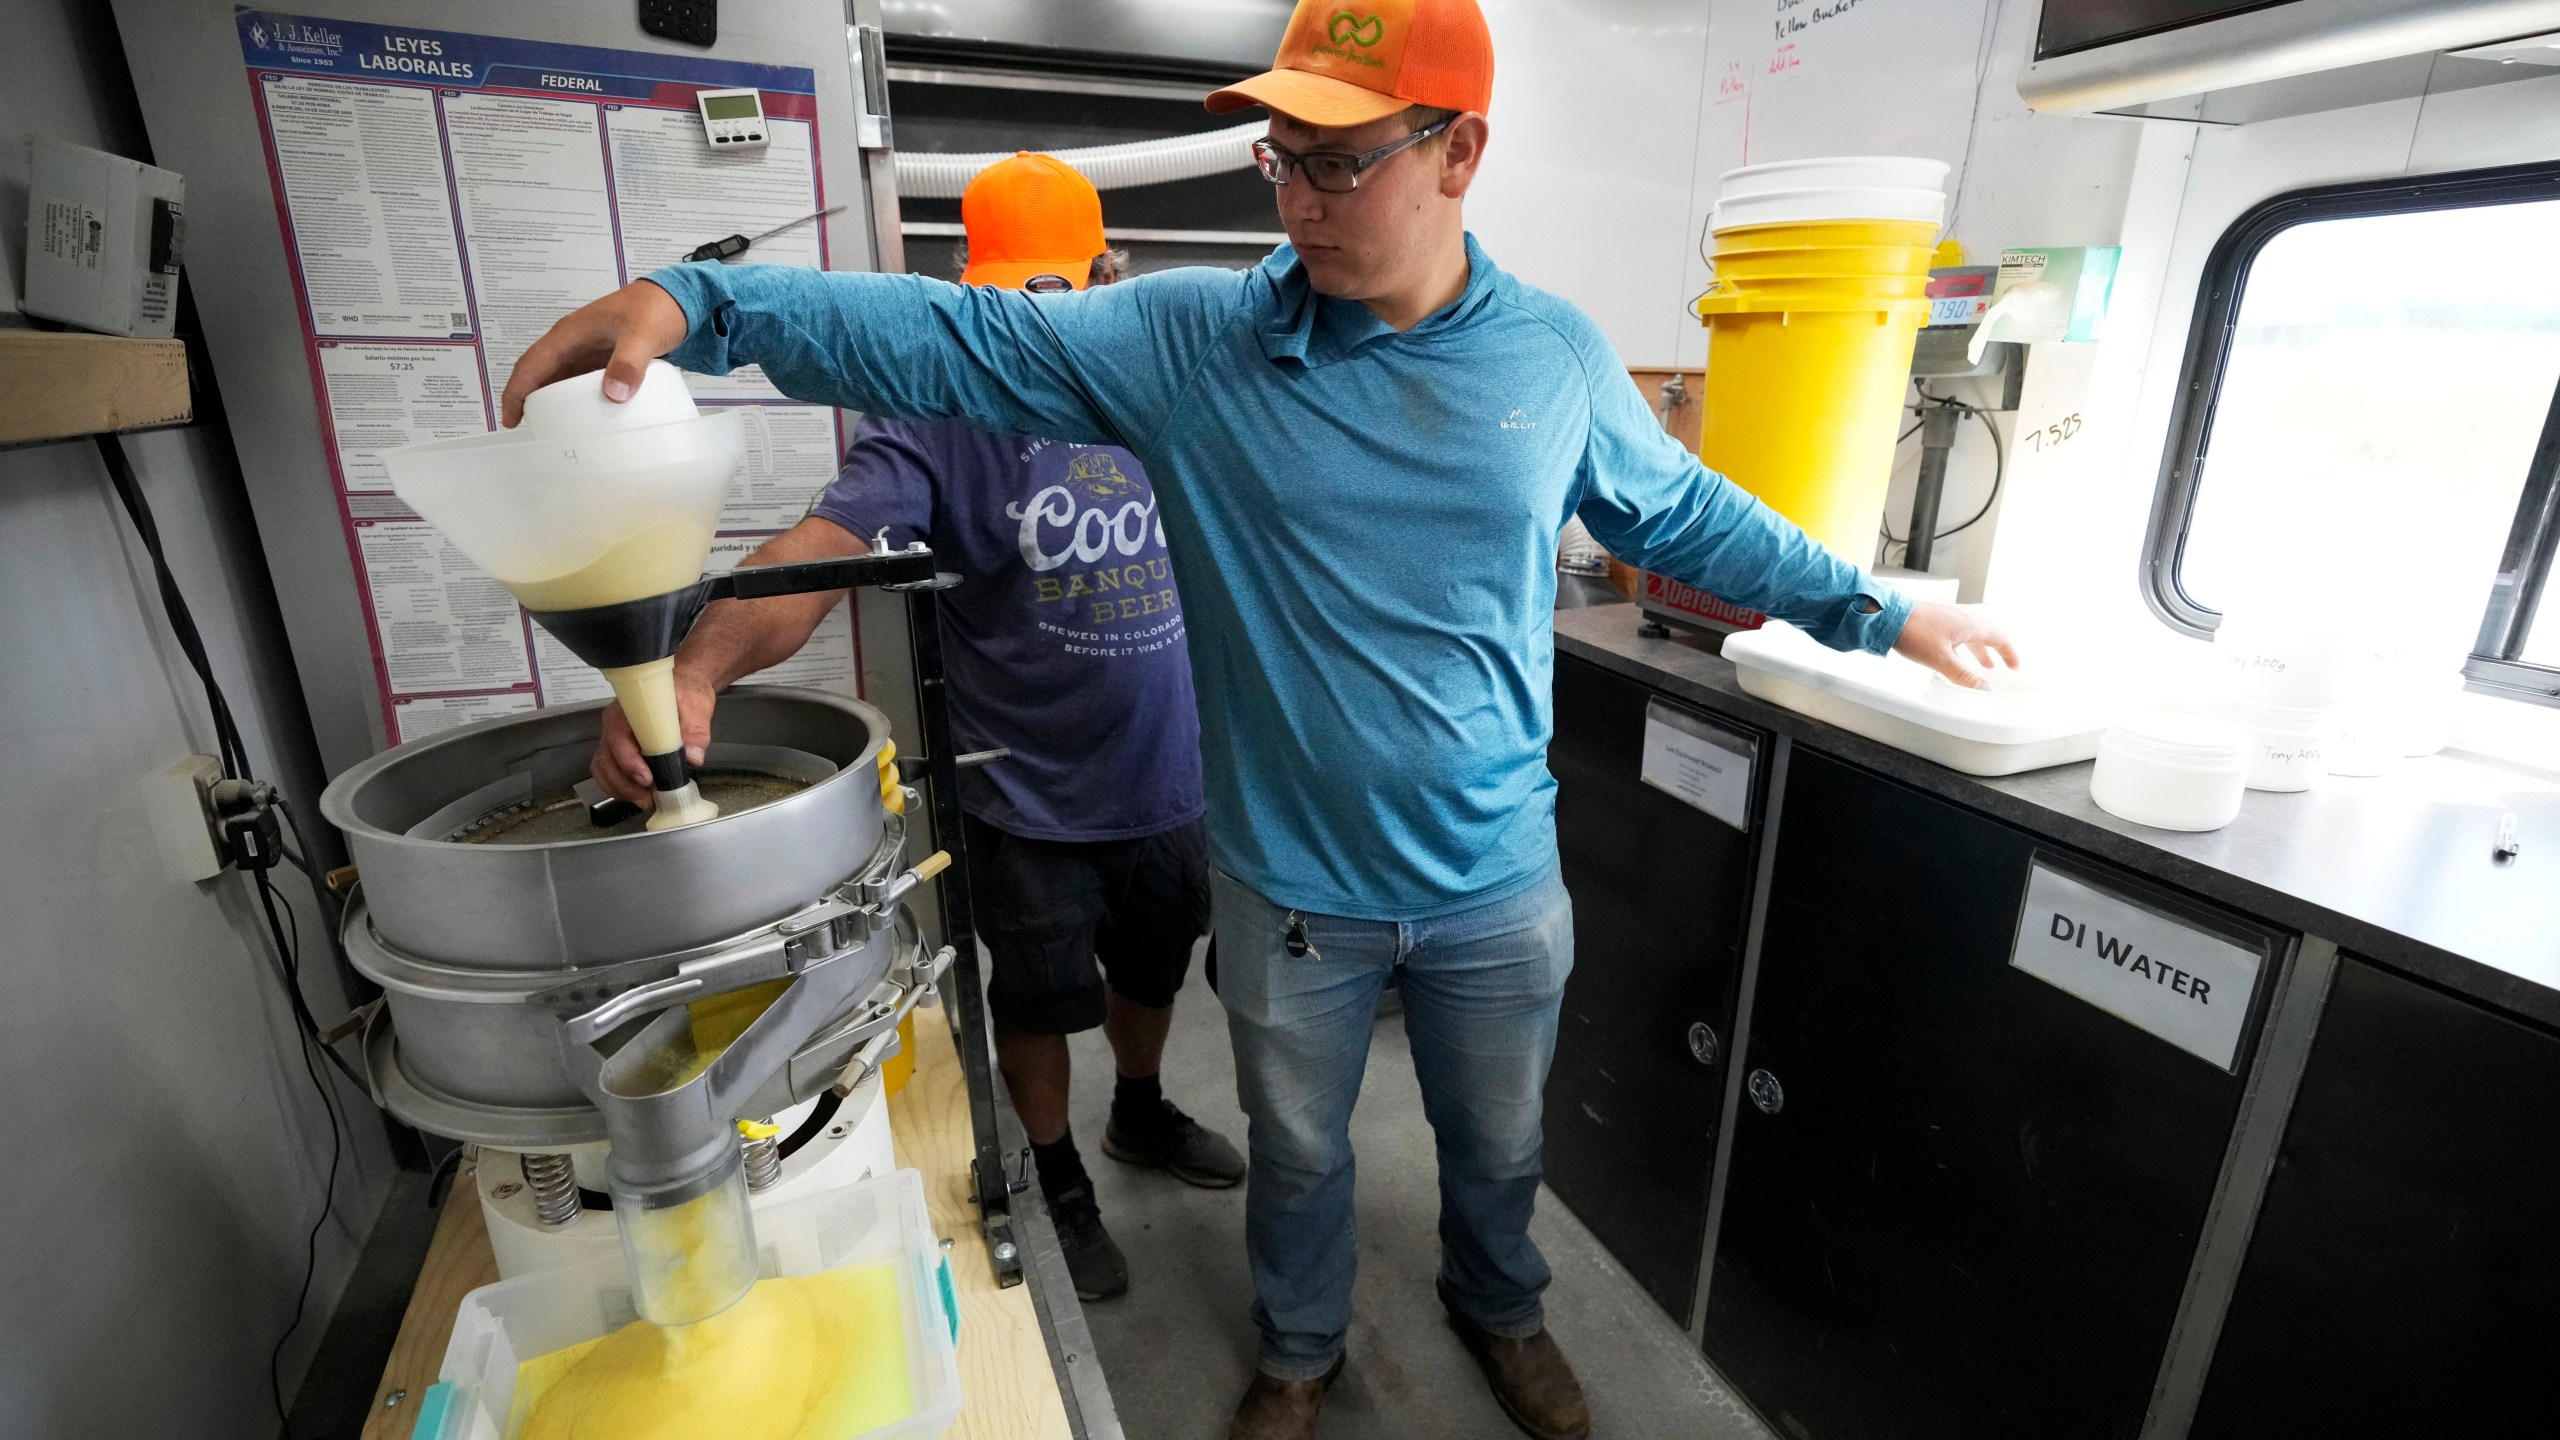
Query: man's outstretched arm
{"x": 1100, "y": 366}
{"x": 1653, "y": 503}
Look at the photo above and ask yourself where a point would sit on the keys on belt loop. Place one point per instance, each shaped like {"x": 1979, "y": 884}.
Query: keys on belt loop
{"x": 1294, "y": 940}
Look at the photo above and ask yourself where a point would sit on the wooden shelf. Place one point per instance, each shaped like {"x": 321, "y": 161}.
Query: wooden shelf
{"x": 55, "y": 385}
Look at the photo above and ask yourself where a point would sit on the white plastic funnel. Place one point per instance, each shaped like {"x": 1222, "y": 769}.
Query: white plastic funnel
{"x": 581, "y": 479}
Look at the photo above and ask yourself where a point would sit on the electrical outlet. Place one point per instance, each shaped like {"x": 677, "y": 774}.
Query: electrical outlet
{"x": 179, "y": 800}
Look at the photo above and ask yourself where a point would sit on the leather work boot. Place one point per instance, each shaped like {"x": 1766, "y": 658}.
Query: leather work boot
{"x": 1281, "y": 1409}
{"x": 1531, "y": 1378}
{"x": 1166, "y": 1139}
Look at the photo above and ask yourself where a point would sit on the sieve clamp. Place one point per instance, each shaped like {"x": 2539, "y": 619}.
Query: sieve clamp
{"x": 807, "y": 939}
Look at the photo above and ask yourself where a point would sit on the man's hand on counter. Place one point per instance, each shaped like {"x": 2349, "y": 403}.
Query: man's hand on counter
{"x": 619, "y": 334}
{"x": 1957, "y": 641}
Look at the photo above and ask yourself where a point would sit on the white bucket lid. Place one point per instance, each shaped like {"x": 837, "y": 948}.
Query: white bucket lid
{"x": 1893, "y": 172}
{"x": 1844, "y": 202}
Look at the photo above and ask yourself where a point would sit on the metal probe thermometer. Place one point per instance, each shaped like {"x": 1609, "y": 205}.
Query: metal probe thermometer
{"x": 733, "y": 246}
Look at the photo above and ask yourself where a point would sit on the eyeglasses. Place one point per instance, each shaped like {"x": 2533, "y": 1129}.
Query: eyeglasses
{"x": 1335, "y": 172}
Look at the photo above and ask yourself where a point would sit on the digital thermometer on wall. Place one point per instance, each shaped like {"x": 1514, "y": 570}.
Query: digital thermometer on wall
{"x": 732, "y": 119}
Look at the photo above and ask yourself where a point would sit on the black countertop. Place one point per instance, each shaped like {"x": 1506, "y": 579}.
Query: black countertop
{"x": 2395, "y": 868}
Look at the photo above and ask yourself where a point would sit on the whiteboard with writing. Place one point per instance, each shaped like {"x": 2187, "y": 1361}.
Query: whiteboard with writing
{"x": 2186, "y": 985}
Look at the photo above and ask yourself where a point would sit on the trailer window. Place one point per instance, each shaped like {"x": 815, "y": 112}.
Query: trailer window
{"x": 2371, "y": 418}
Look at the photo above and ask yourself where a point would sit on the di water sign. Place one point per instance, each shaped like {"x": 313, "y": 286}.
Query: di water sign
{"x": 2185, "y": 984}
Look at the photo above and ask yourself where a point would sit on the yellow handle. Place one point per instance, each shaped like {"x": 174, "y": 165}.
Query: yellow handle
{"x": 758, "y": 1129}
{"x": 933, "y": 864}
{"x": 893, "y": 796}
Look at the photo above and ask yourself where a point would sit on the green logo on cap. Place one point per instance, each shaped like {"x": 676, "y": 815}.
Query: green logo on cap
{"x": 1360, "y": 30}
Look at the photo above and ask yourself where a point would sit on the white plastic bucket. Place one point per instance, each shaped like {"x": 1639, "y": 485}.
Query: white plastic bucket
{"x": 2292, "y": 664}
{"x": 2172, "y": 771}
{"x": 1834, "y": 172}
{"x": 879, "y": 1220}
{"x": 1841, "y": 202}
{"x": 578, "y": 477}
{"x": 2293, "y": 742}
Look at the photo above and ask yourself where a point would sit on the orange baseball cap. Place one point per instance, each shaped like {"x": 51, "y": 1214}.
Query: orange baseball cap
{"x": 1030, "y": 216}
{"x": 1349, "y": 64}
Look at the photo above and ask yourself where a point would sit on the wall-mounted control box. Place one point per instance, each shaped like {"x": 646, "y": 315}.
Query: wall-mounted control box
{"x": 105, "y": 239}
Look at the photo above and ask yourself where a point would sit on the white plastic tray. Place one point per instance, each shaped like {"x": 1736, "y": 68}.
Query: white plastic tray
{"x": 1899, "y": 703}
{"x": 883, "y": 1218}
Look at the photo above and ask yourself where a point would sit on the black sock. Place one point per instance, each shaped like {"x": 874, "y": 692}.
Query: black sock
{"x": 1138, "y": 1099}
{"x": 1061, "y": 1168}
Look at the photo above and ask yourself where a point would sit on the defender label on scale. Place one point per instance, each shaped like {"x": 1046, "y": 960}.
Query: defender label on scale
{"x": 2188, "y": 986}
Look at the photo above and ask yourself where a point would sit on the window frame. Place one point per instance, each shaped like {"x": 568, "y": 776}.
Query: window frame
{"x": 2526, "y": 563}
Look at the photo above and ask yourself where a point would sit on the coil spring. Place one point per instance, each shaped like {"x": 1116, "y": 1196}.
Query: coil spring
{"x": 763, "y": 1159}
{"x": 554, "y": 1182}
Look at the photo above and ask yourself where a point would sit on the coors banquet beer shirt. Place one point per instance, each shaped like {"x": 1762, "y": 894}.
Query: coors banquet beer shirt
{"x": 1063, "y": 640}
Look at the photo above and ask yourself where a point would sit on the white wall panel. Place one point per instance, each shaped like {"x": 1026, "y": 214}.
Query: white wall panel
{"x": 1585, "y": 190}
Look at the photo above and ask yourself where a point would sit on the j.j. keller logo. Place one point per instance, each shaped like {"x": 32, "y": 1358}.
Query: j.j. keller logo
{"x": 1347, "y": 28}
{"x": 295, "y": 36}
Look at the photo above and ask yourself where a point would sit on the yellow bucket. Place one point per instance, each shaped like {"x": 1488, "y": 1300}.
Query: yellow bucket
{"x": 895, "y": 1070}
{"x": 1807, "y": 362}
{"x": 1801, "y": 262}
{"x": 1824, "y": 234}
{"x": 1821, "y": 292}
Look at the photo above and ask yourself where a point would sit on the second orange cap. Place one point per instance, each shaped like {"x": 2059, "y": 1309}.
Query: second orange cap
{"x": 1029, "y": 216}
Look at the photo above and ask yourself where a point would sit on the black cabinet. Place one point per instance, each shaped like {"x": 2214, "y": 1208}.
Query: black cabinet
{"x": 1962, "y": 1202}
{"x": 1660, "y": 893}
{"x": 2404, "y": 1275}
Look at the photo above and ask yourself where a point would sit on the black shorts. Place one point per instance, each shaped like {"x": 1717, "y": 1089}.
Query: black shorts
{"x": 1059, "y": 915}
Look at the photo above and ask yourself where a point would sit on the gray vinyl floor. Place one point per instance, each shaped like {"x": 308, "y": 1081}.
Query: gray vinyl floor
{"x": 1178, "y": 1348}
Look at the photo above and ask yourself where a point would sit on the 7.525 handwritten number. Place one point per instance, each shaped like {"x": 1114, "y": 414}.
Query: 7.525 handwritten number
{"x": 2059, "y": 432}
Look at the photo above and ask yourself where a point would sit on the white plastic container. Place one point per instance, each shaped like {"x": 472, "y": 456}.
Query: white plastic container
{"x": 2018, "y": 725}
{"x": 2368, "y": 740}
{"x": 1830, "y": 202}
{"x": 2172, "y": 771}
{"x": 579, "y": 477}
{"x": 881, "y": 1219}
{"x": 2299, "y": 664}
{"x": 2293, "y": 742}
{"x": 1906, "y": 172}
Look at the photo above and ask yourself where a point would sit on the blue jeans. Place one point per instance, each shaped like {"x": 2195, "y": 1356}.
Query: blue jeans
{"x": 1481, "y": 993}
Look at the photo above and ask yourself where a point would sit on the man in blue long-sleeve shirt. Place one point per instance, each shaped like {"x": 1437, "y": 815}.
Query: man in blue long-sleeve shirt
{"x": 1364, "y": 450}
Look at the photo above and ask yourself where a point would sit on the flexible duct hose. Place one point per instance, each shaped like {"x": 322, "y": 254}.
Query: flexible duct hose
{"x": 1109, "y": 167}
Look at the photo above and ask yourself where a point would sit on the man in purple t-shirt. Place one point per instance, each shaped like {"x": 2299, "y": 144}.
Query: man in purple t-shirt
{"x": 1064, "y": 645}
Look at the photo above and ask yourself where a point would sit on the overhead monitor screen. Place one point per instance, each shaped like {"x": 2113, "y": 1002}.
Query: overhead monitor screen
{"x": 2069, "y": 25}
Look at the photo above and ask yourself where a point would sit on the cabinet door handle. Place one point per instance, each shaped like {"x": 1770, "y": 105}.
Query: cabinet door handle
{"x": 1766, "y": 1092}
{"x": 1703, "y": 1046}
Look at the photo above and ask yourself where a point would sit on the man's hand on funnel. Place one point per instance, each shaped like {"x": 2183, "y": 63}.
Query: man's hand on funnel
{"x": 619, "y": 334}
{"x": 617, "y": 766}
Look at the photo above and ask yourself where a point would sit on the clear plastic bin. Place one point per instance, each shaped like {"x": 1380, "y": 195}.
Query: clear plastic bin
{"x": 883, "y": 1218}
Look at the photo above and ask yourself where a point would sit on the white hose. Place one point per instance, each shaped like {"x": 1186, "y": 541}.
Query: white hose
{"x": 1109, "y": 167}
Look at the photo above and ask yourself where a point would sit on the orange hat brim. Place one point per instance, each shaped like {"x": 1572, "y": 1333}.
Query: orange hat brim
{"x": 1012, "y": 274}
{"x": 1308, "y": 98}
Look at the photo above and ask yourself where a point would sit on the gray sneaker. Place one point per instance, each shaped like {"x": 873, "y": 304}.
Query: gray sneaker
{"x": 1170, "y": 1140}
{"x": 1094, "y": 1260}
